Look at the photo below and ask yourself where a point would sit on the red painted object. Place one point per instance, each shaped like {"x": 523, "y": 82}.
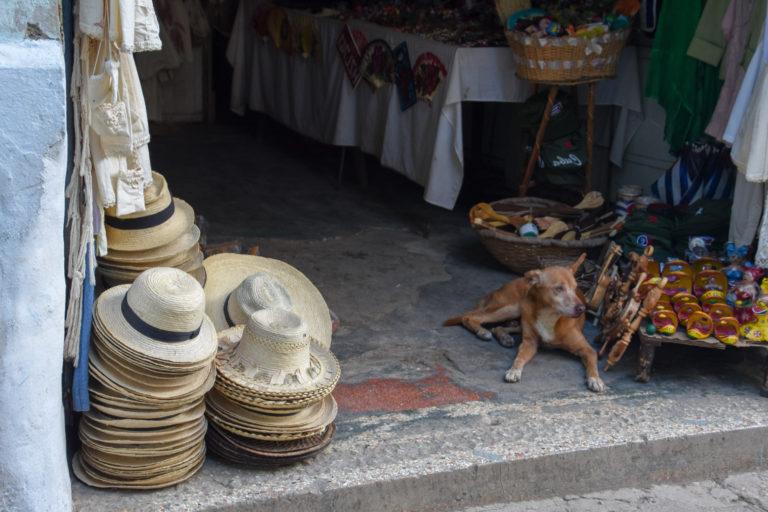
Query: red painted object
{"x": 395, "y": 395}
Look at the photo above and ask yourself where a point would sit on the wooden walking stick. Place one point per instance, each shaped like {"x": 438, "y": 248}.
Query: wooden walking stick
{"x": 648, "y": 304}
{"x": 597, "y": 294}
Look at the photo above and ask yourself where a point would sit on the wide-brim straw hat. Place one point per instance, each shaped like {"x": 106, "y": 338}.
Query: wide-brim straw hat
{"x": 192, "y": 261}
{"x": 225, "y": 272}
{"x": 265, "y": 454}
{"x": 182, "y": 249}
{"x": 159, "y": 317}
{"x": 159, "y": 224}
{"x": 222, "y": 410}
{"x": 275, "y": 358}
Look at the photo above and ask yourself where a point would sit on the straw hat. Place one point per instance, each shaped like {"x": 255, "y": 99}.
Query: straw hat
{"x": 226, "y": 272}
{"x": 161, "y": 316}
{"x": 276, "y": 358}
{"x": 185, "y": 245}
{"x": 162, "y": 222}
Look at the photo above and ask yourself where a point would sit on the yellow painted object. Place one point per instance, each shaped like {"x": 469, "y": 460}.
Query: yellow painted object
{"x": 718, "y": 310}
{"x": 679, "y": 299}
{"x": 727, "y": 330}
{"x": 665, "y": 321}
{"x": 686, "y": 310}
{"x": 699, "y": 325}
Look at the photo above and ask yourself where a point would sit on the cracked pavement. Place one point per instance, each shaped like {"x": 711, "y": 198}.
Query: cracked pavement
{"x": 746, "y": 492}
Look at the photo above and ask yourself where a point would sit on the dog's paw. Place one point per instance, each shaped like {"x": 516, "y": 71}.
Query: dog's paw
{"x": 484, "y": 334}
{"x": 513, "y": 375}
{"x": 596, "y": 384}
{"x": 504, "y": 338}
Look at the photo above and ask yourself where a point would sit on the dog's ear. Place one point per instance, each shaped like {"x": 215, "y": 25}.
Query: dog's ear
{"x": 576, "y": 264}
{"x": 533, "y": 277}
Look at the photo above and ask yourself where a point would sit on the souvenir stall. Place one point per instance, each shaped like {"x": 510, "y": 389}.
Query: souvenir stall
{"x": 391, "y": 80}
{"x": 180, "y": 349}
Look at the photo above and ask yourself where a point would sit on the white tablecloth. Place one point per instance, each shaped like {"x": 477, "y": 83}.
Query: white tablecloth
{"x": 425, "y": 143}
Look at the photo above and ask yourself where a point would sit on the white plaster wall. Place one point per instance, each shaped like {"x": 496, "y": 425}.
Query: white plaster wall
{"x": 33, "y": 466}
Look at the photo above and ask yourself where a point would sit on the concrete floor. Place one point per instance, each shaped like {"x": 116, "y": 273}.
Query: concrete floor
{"x": 426, "y": 421}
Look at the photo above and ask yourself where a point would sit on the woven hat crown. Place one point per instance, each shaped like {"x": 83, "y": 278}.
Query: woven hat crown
{"x": 167, "y": 299}
{"x": 257, "y": 291}
{"x": 275, "y": 339}
{"x": 159, "y": 201}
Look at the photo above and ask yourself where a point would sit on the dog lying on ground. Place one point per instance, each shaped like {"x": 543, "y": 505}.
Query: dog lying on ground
{"x": 550, "y": 309}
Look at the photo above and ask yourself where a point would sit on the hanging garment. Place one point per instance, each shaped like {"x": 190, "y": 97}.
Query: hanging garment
{"x": 146, "y": 37}
{"x": 708, "y": 43}
{"x": 750, "y": 150}
{"x": 746, "y": 212}
{"x": 134, "y": 27}
{"x": 686, "y": 88}
{"x": 735, "y": 26}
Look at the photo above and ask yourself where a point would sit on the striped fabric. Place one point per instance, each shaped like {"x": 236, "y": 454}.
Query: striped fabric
{"x": 703, "y": 171}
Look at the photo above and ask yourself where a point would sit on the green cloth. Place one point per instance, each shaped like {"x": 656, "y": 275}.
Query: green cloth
{"x": 708, "y": 43}
{"x": 706, "y": 217}
{"x": 687, "y": 89}
{"x": 653, "y": 226}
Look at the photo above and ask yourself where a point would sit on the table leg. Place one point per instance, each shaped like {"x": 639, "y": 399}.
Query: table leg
{"x": 764, "y": 385}
{"x": 590, "y": 136}
{"x": 537, "y": 143}
{"x": 645, "y": 361}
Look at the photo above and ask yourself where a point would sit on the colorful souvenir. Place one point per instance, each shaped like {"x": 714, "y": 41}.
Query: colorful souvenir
{"x": 308, "y": 39}
{"x": 350, "y": 55}
{"x": 699, "y": 325}
{"x": 744, "y": 295}
{"x": 756, "y": 273}
{"x": 709, "y": 280}
{"x": 717, "y": 310}
{"x": 665, "y": 321}
{"x": 706, "y": 263}
{"x": 736, "y": 256}
{"x": 404, "y": 81}
{"x": 687, "y": 310}
{"x": 678, "y": 282}
{"x": 682, "y": 298}
{"x": 360, "y": 40}
{"x": 713, "y": 297}
{"x": 677, "y": 266}
{"x": 752, "y": 332}
{"x": 428, "y": 72}
{"x": 727, "y": 330}
{"x": 378, "y": 64}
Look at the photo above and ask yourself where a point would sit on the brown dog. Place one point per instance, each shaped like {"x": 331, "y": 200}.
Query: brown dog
{"x": 551, "y": 311}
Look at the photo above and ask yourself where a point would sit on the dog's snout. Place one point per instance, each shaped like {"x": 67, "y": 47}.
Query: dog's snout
{"x": 580, "y": 309}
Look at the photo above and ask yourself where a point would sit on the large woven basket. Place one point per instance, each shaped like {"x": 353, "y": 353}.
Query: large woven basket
{"x": 563, "y": 60}
{"x": 521, "y": 254}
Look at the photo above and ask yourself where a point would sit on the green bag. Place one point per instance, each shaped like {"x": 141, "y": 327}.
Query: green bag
{"x": 563, "y": 121}
{"x": 562, "y": 161}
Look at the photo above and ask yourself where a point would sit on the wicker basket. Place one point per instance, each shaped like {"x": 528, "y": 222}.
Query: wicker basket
{"x": 563, "y": 60}
{"x": 521, "y": 254}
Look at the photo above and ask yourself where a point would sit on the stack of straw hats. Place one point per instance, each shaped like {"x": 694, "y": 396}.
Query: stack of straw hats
{"x": 151, "y": 363}
{"x": 271, "y": 404}
{"x": 239, "y": 284}
{"x": 163, "y": 235}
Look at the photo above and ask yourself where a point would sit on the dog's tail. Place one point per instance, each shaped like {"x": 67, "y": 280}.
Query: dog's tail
{"x": 452, "y": 321}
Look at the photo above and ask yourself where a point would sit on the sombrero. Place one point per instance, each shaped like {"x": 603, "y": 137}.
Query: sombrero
{"x": 275, "y": 357}
{"x": 226, "y": 272}
{"x": 161, "y": 316}
{"x": 162, "y": 222}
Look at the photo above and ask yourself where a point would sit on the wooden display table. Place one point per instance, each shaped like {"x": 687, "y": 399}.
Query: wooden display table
{"x": 650, "y": 342}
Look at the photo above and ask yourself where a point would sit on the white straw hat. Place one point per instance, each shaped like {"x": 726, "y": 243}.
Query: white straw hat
{"x": 161, "y": 316}
{"x": 276, "y": 357}
{"x": 226, "y": 272}
{"x": 162, "y": 222}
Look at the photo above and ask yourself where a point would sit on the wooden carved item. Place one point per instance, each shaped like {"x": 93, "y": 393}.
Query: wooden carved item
{"x": 629, "y": 306}
{"x": 648, "y": 304}
{"x": 598, "y": 292}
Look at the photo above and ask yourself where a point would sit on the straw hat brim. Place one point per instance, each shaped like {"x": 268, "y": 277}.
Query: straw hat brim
{"x": 310, "y": 418}
{"x": 200, "y": 348}
{"x": 225, "y": 272}
{"x": 141, "y": 239}
{"x": 93, "y": 478}
{"x": 230, "y": 369}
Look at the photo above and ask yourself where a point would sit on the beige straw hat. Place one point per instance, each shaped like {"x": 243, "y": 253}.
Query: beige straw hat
{"x": 161, "y": 316}
{"x": 162, "y": 222}
{"x": 276, "y": 357}
{"x": 225, "y": 273}
{"x": 182, "y": 247}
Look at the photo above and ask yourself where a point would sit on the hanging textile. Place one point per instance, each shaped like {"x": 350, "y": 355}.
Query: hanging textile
{"x": 111, "y": 161}
{"x": 685, "y": 87}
